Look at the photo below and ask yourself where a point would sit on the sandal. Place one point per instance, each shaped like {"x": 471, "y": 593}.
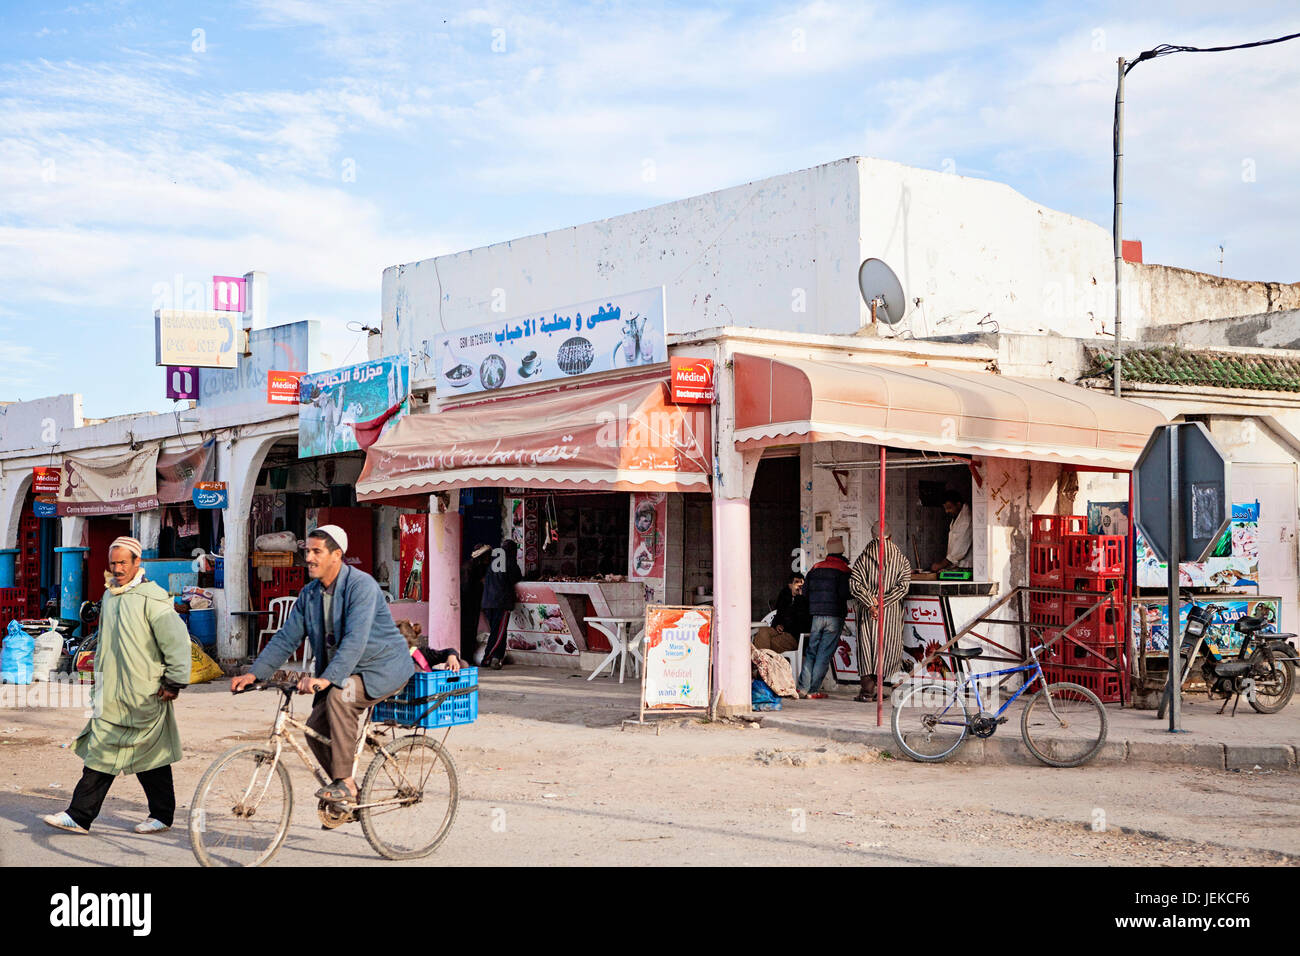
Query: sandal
{"x": 815, "y": 696}
{"x": 335, "y": 793}
{"x": 864, "y": 699}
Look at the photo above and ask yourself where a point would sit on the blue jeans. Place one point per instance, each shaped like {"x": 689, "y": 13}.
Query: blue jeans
{"x": 823, "y": 638}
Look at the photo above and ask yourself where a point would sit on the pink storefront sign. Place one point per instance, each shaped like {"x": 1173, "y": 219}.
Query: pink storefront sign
{"x": 228, "y": 294}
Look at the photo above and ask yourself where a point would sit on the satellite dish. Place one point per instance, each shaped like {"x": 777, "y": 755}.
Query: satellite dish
{"x": 878, "y": 282}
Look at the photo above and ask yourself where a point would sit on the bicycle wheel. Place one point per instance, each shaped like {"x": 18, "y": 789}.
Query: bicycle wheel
{"x": 240, "y": 813}
{"x": 1274, "y": 681}
{"x": 930, "y": 720}
{"x": 413, "y": 781}
{"x": 1064, "y": 725}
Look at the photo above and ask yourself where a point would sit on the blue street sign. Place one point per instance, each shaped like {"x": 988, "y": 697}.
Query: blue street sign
{"x": 208, "y": 498}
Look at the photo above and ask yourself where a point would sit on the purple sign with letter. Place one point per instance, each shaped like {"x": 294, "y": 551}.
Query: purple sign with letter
{"x": 182, "y": 382}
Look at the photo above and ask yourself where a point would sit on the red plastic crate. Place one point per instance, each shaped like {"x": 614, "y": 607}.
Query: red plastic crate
{"x": 1094, "y": 553}
{"x": 1045, "y": 527}
{"x": 1048, "y": 605}
{"x": 1104, "y": 625}
{"x": 1045, "y": 567}
{"x": 1105, "y": 684}
{"x": 1095, "y": 582}
{"x": 1073, "y": 525}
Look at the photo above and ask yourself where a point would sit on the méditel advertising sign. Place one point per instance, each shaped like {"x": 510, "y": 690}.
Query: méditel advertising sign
{"x": 678, "y": 653}
{"x": 45, "y": 479}
{"x": 692, "y": 381}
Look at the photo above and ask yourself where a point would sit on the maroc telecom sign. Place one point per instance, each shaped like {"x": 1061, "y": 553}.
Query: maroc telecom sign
{"x": 196, "y": 338}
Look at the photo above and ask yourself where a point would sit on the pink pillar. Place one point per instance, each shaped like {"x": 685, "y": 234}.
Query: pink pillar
{"x": 442, "y": 567}
{"x": 731, "y": 587}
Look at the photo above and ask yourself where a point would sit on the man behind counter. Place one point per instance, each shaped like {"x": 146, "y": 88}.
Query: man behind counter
{"x": 959, "y": 533}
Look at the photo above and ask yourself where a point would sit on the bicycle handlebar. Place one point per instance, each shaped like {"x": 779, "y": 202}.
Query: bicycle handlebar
{"x": 280, "y": 685}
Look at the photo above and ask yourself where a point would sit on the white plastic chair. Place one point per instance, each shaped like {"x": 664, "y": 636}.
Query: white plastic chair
{"x": 280, "y": 608}
{"x": 795, "y": 658}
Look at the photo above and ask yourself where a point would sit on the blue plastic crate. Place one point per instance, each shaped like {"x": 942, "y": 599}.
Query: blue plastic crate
{"x": 462, "y": 709}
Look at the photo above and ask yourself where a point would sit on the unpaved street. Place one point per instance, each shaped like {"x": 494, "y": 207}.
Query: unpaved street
{"x": 548, "y": 765}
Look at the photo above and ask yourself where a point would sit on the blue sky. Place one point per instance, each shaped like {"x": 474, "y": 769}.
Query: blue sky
{"x": 323, "y": 141}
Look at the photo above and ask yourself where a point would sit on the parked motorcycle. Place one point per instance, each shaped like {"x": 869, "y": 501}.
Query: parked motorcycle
{"x": 1263, "y": 669}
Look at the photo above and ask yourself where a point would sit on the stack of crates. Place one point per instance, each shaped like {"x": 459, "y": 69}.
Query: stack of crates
{"x": 27, "y": 573}
{"x": 1081, "y": 562}
{"x": 285, "y": 582}
{"x": 13, "y": 607}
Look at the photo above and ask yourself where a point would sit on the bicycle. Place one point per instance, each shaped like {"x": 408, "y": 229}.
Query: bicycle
{"x": 1063, "y": 724}
{"x": 241, "y": 809}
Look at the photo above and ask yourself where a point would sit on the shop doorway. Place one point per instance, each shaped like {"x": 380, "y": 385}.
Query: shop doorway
{"x": 773, "y": 531}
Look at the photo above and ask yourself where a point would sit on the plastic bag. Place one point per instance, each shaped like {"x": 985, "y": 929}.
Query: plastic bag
{"x": 202, "y": 667}
{"x": 16, "y": 655}
{"x": 276, "y": 541}
{"x": 763, "y": 697}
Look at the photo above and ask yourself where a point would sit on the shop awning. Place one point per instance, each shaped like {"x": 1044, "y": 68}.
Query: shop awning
{"x": 783, "y": 401}
{"x": 622, "y": 436}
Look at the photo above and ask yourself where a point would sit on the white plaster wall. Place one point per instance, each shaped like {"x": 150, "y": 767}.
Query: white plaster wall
{"x": 780, "y": 253}
{"x": 1165, "y": 295}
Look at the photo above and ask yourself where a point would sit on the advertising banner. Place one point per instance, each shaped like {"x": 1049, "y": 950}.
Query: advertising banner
{"x": 339, "y": 406}
{"x": 1234, "y": 561}
{"x": 45, "y": 479}
{"x": 1151, "y": 620}
{"x": 282, "y": 387}
{"x": 622, "y": 332}
{"x": 692, "y": 381}
{"x": 645, "y": 544}
{"x": 678, "y": 653}
{"x": 282, "y": 347}
{"x": 108, "y": 486}
{"x": 196, "y": 338}
{"x": 179, "y": 472}
{"x": 414, "y": 542}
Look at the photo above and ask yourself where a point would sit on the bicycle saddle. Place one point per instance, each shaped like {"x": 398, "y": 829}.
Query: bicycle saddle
{"x": 965, "y": 652}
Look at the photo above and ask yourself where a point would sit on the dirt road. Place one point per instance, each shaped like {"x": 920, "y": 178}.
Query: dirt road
{"x": 547, "y": 777}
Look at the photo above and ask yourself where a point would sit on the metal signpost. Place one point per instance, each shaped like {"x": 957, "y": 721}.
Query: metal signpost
{"x": 1182, "y": 507}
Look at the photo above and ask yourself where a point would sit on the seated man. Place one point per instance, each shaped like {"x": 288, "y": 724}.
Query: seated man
{"x": 361, "y": 657}
{"x": 792, "y": 619}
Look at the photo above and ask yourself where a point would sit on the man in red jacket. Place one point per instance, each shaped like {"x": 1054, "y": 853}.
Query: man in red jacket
{"x": 827, "y": 588}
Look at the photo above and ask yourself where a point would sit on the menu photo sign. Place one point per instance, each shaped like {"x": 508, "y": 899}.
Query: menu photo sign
{"x": 692, "y": 381}
{"x": 678, "y": 653}
{"x": 618, "y": 332}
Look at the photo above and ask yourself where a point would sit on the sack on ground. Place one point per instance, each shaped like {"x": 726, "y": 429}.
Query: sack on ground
{"x": 45, "y": 655}
{"x": 774, "y": 669}
{"x": 276, "y": 541}
{"x": 16, "y": 655}
{"x": 202, "y": 667}
{"x": 763, "y": 698}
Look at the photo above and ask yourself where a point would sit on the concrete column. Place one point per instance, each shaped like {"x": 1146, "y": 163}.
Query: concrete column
{"x": 238, "y": 462}
{"x": 72, "y": 579}
{"x": 731, "y": 603}
{"x": 149, "y": 530}
{"x": 442, "y": 570}
{"x": 74, "y": 533}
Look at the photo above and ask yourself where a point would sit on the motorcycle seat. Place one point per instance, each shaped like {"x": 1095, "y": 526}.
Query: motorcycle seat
{"x": 1232, "y": 669}
{"x": 1249, "y": 625}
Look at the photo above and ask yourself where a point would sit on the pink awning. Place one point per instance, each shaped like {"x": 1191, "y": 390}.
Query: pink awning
{"x": 787, "y": 401}
{"x": 624, "y": 436}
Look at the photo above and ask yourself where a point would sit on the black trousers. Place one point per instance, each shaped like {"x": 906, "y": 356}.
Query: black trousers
{"x": 93, "y": 786}
{"x": 498, "y": 618}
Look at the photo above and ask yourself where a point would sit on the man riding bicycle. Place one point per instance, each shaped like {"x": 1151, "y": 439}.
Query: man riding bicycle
{"x": 361, "y": 657}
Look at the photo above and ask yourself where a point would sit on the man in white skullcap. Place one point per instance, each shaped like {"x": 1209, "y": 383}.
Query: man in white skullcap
{"x": 142, "y": 661}
{"x": 361, "y": 656}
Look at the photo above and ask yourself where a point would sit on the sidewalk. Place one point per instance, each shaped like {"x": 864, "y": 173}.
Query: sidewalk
{"x": 1136, "y": 737}
{"x": 1244, "y": 742}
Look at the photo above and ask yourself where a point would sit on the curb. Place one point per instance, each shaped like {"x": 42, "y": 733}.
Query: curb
{"x": 1011, "y": 751}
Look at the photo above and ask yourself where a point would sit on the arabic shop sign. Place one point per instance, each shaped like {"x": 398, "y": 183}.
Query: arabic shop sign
{"x": 620, "y": 332}
{"x": 211, "y": 495}
{"x": 335, "y": 404}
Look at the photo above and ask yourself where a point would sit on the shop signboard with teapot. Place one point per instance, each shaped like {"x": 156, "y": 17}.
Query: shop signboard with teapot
{"x": 625, "y": 331}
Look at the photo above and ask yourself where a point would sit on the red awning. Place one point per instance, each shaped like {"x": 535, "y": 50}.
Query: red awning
{"x": 622, "y": 436}
{"x": 786, "y": 401}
